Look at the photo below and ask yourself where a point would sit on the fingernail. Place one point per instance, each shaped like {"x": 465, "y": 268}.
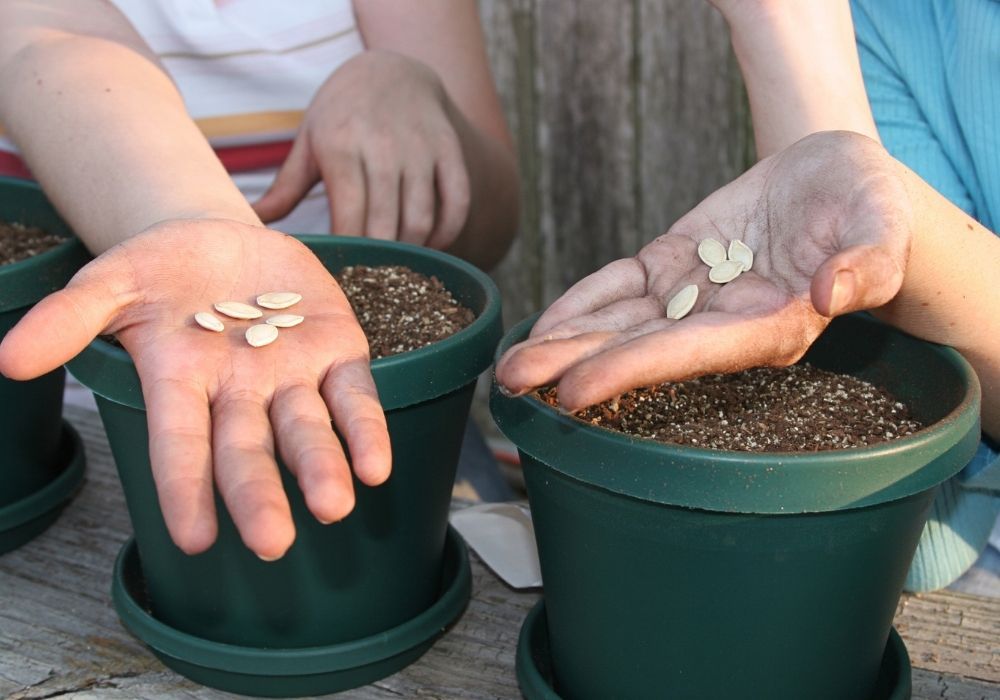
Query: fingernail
{"x": 843, "y": 292}
{"x": 504, "y": 391}
{"x": 268, "y": 559}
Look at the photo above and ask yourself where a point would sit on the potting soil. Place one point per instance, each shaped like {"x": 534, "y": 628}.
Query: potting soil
{"x": 800, "y": 408}
{"x": 399, "y": 309}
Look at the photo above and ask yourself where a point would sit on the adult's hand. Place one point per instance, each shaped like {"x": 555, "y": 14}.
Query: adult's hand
{"x": 217, "y": 406}
{"x": 381, "y": 134}
{"x": 829, "y": 222}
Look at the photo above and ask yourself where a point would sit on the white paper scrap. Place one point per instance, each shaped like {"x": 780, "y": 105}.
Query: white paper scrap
{"x": 503, "y": 537}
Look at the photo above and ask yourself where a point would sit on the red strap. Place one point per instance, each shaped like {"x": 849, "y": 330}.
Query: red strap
{"x": 236, "y": 159}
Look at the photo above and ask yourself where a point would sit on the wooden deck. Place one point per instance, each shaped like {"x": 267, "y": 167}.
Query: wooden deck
{"x": 59, "y": 636}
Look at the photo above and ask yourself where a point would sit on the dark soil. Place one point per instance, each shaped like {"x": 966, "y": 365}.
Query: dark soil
{"x": 790, "y": 409}
{"x": 401, "y": 310}
{"x": 19, "y": 242}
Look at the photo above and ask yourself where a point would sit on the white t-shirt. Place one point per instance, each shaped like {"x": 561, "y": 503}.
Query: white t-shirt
{"x": 247, "y": 69}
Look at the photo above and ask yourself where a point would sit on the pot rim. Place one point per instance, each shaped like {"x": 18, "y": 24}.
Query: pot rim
{"x": 444, "y": 366}
{"x": 745, "y": 482}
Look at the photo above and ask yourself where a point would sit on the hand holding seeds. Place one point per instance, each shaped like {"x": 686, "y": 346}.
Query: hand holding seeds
{"x": 749, "y": 278}
{"x": 188, "y": 299}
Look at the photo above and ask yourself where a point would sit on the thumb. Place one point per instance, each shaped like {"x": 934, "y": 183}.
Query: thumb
{"x": 58, "y": 327}
{"x": 293, "y": 182}
{"x": 860, "y": 277}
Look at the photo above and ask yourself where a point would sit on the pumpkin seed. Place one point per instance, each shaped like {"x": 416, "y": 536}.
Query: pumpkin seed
{"x": 278, "y": 300}
{"x": 740, "y": 252}
{"x": 209, "y": 321}
{"x": 725, "y": 271}
{"x": 711, "y": 252}
{"x": 235, "y": 309}
{"x": 682, "y": 302}
{"x": 261, "y": 334}
{"x": 284, "y": 320}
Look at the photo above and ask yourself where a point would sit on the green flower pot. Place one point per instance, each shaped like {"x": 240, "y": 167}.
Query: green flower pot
{"x": 297, "y": 626}
{"x": 42, "y": 462}
{"x": 678, "y": 572}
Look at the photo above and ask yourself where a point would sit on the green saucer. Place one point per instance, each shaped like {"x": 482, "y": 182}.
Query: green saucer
{"x": 298, "y": 671}
{"x": 28, "y": 517}
{"x": 536, "y": 678}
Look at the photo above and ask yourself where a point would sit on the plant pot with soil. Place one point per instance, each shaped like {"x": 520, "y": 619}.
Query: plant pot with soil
{"x": 350, "y": 602}
{"x": 684, "y": 571}
{"x": 43, "y": 459}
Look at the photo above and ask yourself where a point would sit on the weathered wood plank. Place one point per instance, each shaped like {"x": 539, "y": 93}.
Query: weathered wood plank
{"x": 692, "y": 117}
{"x": 928, "y": 685}
{"x": 587, "y": 145}
{"x": 950, "y": 633}
{"x": 59, "y": 635}
{"x": 509, "y": 26}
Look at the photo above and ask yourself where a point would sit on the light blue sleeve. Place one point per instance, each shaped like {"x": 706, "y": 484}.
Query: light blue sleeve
{"x": 903, "y": 125}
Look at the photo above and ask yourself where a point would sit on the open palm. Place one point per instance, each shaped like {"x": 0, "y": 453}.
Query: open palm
{"x": 216, "y": 406}
{"x": 827, "y": 220}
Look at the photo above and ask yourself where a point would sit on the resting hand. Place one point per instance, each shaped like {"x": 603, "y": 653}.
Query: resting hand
{"x": 381, "y": 134}
{"x": 828, "y": 220}
{"x": 217, "y": 406}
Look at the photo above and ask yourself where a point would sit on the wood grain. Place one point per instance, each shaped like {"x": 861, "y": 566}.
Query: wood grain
{"x": 59, "y": 636}
{"x": 626, "y": 115}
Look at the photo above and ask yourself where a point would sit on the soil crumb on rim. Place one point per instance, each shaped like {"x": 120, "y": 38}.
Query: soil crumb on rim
{"x": 800, "y": 408}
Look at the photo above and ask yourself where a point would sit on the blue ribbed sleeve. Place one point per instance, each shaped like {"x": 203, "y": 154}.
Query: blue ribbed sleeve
{"x": 932, "y": 71}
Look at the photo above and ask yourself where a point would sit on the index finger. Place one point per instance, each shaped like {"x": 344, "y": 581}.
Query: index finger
{"x": 706, "y": 343}
{"x": 621, "y": 279}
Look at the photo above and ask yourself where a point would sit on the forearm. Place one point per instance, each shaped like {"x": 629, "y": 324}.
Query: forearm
{"x": 800, "y": 64}
{"x": 950, "y": 293}
{"x": 106, "y": 133}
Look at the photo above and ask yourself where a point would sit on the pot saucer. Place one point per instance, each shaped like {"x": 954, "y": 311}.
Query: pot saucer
{"x": 28, "y": 517}
{"x": 292, "y": 672}
{"x": 535, "y": 677}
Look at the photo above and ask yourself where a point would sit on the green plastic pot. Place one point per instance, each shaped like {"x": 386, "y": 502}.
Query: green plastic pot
{"x": 367, "y": 575}
{"x": 678, "y": 572}
{"x": 41, "y": 465}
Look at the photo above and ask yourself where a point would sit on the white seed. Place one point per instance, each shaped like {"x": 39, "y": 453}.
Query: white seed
{"x": 278, "y": 300}
{"x": 725, "y": 271}
{"x": 261, "y": 334}
{"x": 711, "y": 252}
{"x": 284, "y": 320}
{"x": 235, "y": 309}
{"x": 682, "y": 302}
{"x": 209, "y": 321}
{"x": 740, "y": 252}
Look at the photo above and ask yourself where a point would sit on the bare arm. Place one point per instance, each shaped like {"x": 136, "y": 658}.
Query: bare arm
{"x": 106, "y": 133}
{"x": 847, "y": 228}
{"x": 801, "y": 68}
{"x": 949, "y": 294}
{"x": 446, "y": 36}
{"x": 102, "y": 126}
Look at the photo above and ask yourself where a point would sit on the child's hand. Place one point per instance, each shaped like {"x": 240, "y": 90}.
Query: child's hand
{"x": 381, "y": 134}
{"x": 828, "y": 220}
{"x": 217, "y": 406}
